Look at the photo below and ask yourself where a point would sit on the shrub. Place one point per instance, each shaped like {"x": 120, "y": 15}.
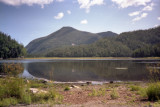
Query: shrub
{"x": 8, "y": 101}
{"x": 135, "y": 88}
{"x": 67, "y": 89}
{"x": 153, "y": 91}
{"x": 100, "y": 92}
{"x": 114, "y": 94}
{"x": 14, "y": 90}
{"x": 51, "y": 97}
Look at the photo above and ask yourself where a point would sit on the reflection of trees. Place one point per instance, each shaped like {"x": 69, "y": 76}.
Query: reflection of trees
{"x": 12, "y": 69}
{"x": 88, "y": 70}
{"x": 154, "y": 71}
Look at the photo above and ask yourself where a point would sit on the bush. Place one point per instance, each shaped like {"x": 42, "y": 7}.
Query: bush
{"x": 13, "y": 91}
{"x": 135, "y": 88}
{"x": 153, "y": 91}
{"x": 114, "y": 94}
{"x": 67, "y": 89}
{"x": 100, "y": 92}
{"x": 8, "y": 101}
{"x": 51, "y": 97}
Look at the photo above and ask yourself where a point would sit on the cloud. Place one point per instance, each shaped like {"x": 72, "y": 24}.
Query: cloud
{"x": 127, "y": 3}
{"x": 86, "y": 4}
{"x": 143, "y": 15}
{"x": 84, "y": 21}
{"x": 134, "y": 13}
{"x": 59, "y": 15}
{"x": 148, "y": 8}
{"x": 26, "y": 2}
{"x": 158, "y": 18}
{"x": 156, "y": 25}
{"x": 59, "y": 0}
{"x": 68, "y": 11}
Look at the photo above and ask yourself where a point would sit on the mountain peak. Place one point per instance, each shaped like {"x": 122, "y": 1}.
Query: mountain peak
{"x": 67, "y": 28}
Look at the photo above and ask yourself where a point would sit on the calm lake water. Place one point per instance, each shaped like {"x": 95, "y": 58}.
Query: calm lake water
{"x": 71, "y": 70}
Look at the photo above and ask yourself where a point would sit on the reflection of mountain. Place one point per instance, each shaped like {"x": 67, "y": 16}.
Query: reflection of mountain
{"x": 88, "y": 70}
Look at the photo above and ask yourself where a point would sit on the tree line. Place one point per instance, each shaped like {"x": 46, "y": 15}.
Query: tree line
{"x": 10, "y": 48}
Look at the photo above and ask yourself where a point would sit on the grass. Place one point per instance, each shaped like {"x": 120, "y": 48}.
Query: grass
{"x": 51, "y": 97}
{"x": 37, "y": 84}
{"x": 114, "y": 94}
{"x": 13, "y": 91}
{"x": 79, "y": 58}
{"x": 16, "y": 91}
{"x": 153, "y": 91}
{"x": 135, "y": 88}
{"x": 100, "y": 92}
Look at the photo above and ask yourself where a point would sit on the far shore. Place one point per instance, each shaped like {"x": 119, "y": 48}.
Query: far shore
{"x": 89, "y": 58}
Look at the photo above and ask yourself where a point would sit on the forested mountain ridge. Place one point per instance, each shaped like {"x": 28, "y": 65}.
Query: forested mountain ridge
{"x": 66, "y": 36}
{"x": 140, "y": 38}
{"x": 10, "y": 48}
{"x": 140, "y": 43}
{"x": 107, "y": 34}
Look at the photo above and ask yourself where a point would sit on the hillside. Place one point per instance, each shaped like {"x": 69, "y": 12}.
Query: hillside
{"x": 69, "y": 42}
{"x": 141, "y": 43}
{"x": 10, "y": 48}
{"x": 66, "y": 36}
{"x": 107, "y": 34}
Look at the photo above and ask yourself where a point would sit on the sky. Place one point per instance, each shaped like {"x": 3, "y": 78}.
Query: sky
{"x": 26, "y": 20}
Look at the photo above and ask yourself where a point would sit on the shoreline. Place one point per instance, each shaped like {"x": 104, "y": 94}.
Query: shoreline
{"x": 88, "y": 58}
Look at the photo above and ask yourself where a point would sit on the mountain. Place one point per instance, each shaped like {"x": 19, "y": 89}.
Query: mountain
{"x": 107, "y": 34}
{"x": 140, "y": 43}
{"x": 69, "y": 42}
{"x": 66, "y": 36}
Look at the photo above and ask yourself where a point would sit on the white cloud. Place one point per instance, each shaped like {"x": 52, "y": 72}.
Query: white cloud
{"x": 86, "y": 4}
{"x": 127, "y": 3}
{"x": 27, "y": 2}
{"x": 156, "y": 25}
{"x": 84, "y": 21}
{"x": 59, "y": 15}
{"x": 59, "y": 0}
{"x": 134, "y": 13}
{"x": 68, "y": 11}
{"x": 158, "y": 18}
{"x": 143, "y": 15}
{"x": 148, "y": 8}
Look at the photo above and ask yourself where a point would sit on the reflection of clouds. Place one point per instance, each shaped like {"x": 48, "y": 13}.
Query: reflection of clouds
{"x": 27, "y": 74}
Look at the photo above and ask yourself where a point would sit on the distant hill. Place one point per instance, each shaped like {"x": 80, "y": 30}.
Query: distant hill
{"x": 69, "y": 42}
{"x": 66, "y": 36}
{"x": 107, "y": 34}
{"x": 140, "y": 43}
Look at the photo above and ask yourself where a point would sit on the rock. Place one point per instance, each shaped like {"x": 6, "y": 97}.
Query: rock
{"x": 74, "y": 86}
{"x": 88, "y": 83}
{"x": 43, "y": 81}
{"x": 27, "y": 81}
{"x": 111, "y": 82}
{"x": 37, "y": 91}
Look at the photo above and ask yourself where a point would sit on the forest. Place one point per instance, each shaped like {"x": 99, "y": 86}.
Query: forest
{"x": 10, "y": 48}
{"x": 140, "y": 43}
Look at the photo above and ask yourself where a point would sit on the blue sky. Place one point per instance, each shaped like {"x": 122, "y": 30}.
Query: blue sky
{"x": 25, "y": 20}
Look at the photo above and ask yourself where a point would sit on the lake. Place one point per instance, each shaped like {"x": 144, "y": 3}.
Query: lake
{"x": 76, "y": 70}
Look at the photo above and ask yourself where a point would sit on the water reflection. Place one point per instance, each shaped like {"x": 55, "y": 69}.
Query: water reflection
{"x": 86, "y": 70}
{"x": 83, "y": 70}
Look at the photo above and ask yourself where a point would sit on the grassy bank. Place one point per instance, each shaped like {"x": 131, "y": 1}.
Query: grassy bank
{"x": 15, "y": 91}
